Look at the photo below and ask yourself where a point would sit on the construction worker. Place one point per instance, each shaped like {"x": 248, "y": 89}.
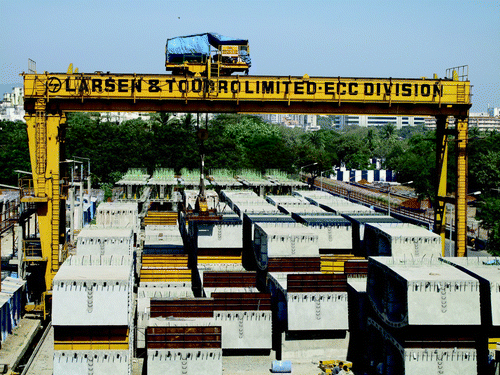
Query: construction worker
{"x": 338, "y": 368}
{"x": 345, "y": 371}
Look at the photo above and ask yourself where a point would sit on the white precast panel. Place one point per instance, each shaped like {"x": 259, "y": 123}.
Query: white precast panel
{"x": 184, "y": 361}
{"x": 422, "y": 292}
{"x": 118, "y": 215}
{"x": 95, "y": 362}
{"x": 105, "y": 241}
{"x": 286, "y": 240}
{"x": 224, "y": 234}
{"x": 93, "y": 293}
{"x": 437, "y": 361}
{"x": 249, "y": 329}
{"x": 487, "y": 269}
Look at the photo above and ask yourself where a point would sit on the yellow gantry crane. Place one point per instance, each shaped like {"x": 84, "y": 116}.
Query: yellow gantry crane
{"x": 48, "y": 96}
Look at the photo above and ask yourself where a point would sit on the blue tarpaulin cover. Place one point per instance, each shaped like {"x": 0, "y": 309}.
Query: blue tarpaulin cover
{"x": 199, "y": 44}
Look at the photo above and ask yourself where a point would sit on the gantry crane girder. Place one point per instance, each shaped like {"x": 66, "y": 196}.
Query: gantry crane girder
{"x": 49, "y": 96}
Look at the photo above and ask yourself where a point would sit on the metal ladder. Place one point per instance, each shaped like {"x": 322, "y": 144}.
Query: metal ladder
{"x": 41, "y": 145}
{"x": 56, "y": 203}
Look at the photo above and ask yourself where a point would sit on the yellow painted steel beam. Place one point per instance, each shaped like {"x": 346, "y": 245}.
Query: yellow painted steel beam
{"x": 219, "y": 259}
{"x": 442, "y": 175}
{"x": 461, "y": 193}
{"x": 256, "y": 94}
{"x": 44, "y": 138}
{"x": 48, "y": 96}
{"x": 83, "y": 345}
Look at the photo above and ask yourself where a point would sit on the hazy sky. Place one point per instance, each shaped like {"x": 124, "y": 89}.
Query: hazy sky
{"x": 356, "y": 38}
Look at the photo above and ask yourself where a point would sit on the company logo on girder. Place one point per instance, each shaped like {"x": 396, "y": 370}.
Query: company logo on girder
{"x": 272, "y": 88}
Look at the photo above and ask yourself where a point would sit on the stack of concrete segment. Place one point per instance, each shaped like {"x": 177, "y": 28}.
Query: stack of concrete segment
{"x": 212, "y": 267}
{"x": 118, "y": 215}
{"x": 259, "y": 207}
{"x": 310, "y": 301}
{"x": 232, "y": 196}
{"x": 243, "y": 313}
{"x": 144, "y": 296}
{"x": 283, "y": 240}
{"x": 224, "y": 233}
{"x": 428, "y": 352}
{"x": 358, "y": 228}
{"x": 342, "y": 206}
{"x": 159, "y": 239}
{"x": 301, "y": 209}
{"x": 335, "y": 204}
{"x": 293, "y": 204}
{"x": 179, "y": 350}
{"x": 422, "y": 291}
{"x": 98, "y": 241}
{"x": 487, "y": 271}
{"x": 182, "y": 337}
{"x": 94, "y": 292}
{"x": 284, "y": 200}
{"x": 249, "y": 221}
{"x": 312, "y": 195}
{"x": 400, "y": 240}
{"x": 11, "y": 303}
{"x": 334, "y": 232}
{"x": 427, "y": 315}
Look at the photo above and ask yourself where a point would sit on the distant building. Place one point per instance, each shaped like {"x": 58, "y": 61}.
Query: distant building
{"x": 366, "y": 121}
{"x": 493, "y": 112}
{"x": 306, "y": 122}
{"x": 12, "y": 105}
{"x": 119, "y": 117}
{"x": 484, "y": 121}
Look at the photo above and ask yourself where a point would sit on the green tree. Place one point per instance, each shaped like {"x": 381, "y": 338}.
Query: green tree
{"x": 14, "y": 150}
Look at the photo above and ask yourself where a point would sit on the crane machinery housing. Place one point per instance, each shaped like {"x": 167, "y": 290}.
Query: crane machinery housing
{"x": 208, "y": 55}
{"x": 201, "y": 82}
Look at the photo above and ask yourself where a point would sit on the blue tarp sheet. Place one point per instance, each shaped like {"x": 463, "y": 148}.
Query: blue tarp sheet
{"x": 192, "y": 44}
{"x": 199, "y": 43}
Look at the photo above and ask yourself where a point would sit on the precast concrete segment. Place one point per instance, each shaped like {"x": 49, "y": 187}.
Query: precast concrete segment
{"x": 11, "y": 304}
{"x": 286, "y": 240}
{"x": 311, "y": 310}
{"x": 400, "y": 240}
{"x": 144, "y": 296}
{"x": 90, "y": 291}
{"x": 422, "y": 292}
{"x": 312, "y": 194}
{"x": 359, "y": 222}
{"x": 226, "y": 233}
{"x": 105, "y": 241}
{"x": 245, "y": 329}
{"x": 277, "y": 200}
{"x": 486, "y": 270}
{"x": 163, "y": 237}
{"x": 96, "y": 362}
{"x": 184, "y": 361}
{"x": 118, "y": 215}
{"x": 228, "y": 195}
{"x": 394, "y": 355}
{"x": 249, "y": 221}
{"x": 255, "y": 208}
{"x": 334, "y": 232}
{"x": 341, "y": 206}
{"x": 301, "y": 209}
